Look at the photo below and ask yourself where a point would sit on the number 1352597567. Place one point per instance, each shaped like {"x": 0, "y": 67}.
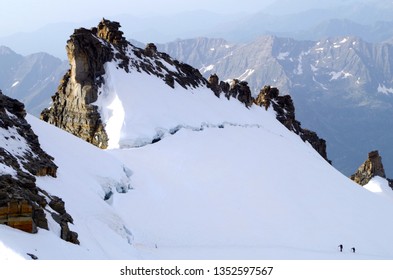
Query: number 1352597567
{"x": 243, "y": 270}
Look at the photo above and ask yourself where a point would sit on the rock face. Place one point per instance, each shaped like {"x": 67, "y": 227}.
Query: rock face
{"x": 371, "y": 167}
{"x": 285, "y": 113}
{"x": 88, "y": 51}
{"x": 72, "y": 109}
{"x": 235, "y": 89}
{"x": 22, "y": 203}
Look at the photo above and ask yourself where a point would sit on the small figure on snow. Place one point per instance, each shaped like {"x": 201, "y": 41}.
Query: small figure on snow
{"x": 340, "y": 247}
{"x": 353, "y": 249}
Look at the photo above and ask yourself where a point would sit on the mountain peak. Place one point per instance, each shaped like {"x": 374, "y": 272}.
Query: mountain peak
{"x": 6, "y": 51}
{"x": 110, "y": 32}
{"x": 77, "y": 105}
{"x": 370, "y": 168}
{"x": 88, "y": 51}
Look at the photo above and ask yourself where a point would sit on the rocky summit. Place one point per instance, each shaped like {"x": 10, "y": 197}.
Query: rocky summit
{"x": 23, "y": 205}
{"x": 88, "y": 50}
{"x": 370, "y": 168}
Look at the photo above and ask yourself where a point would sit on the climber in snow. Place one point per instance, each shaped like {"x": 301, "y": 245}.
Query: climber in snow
{"x": 340, "y": 247}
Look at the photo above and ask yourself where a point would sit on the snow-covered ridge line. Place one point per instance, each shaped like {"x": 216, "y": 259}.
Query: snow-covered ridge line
{"x": 117, "y": 95}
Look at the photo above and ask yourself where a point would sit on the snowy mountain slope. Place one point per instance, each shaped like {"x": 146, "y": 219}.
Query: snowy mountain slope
{"x": 380, "y": 186}
{"x": 189, "y": 175}
{"x": 236, "y": 192}
{"x": 149, "y": 109}
{"x": 226, "y": 181}
{"x": 85, "y": 176}
{"x": 341, "y": 86}
{"x": 238, "y": 202}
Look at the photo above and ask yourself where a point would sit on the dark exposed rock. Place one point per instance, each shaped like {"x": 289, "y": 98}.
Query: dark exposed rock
{"x": 57, "y": 204}
{"x": 285, "y": 113}
{"x": 32, "y": 256}
{"x": 150, "y": 50}
{"x": 169, "y": 80}
{"x": 88, "y": 51}
{"x": 370, "y": 168}
{"x": 40, "y": 218}
{"x": 22, "y": 203}
{"x": 235, "y": 89}
{"x": 241, "y": 91}
{"x": 67, "y": 234}
{"x": 37, "y": 162}
{"x": 20, "y": 200}
{"x": 215, "y": 85}
{"x": 316, "y": 142}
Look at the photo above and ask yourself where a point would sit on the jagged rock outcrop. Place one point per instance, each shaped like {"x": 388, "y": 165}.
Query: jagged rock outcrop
{"x": 88, "y": 51}
{"x": 235, "y": 89}
{"x": 285, "y": 113}
{"x": 72, "y": 109}
{"x": 22, "y": 204}
{"x": 370, "y": 168}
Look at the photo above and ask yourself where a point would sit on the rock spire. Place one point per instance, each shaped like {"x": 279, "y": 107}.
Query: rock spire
{"x": 370, "y": 168}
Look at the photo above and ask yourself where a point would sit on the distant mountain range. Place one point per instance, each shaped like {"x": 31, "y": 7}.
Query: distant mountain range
{"x": 303, "y": 20}
{"x": 335, "y": 81}
{"x": 342, "y": 87}
{"x": 30, "y": 79}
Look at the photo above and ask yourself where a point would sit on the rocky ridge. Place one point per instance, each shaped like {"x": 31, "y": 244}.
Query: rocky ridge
{"x": 285, "y": 113}
{"x": 73, "y": 109}
{"x": 23, "y": 205}
{"x": 332, "y": 81}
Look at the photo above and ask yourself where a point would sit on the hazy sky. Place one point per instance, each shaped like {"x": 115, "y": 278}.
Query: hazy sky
{"x": 29, "y": 15}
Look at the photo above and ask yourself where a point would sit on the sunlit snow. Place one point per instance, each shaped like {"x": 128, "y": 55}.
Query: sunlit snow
{"x": 221, "y": 181}
{"x": 207, "y": 68}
